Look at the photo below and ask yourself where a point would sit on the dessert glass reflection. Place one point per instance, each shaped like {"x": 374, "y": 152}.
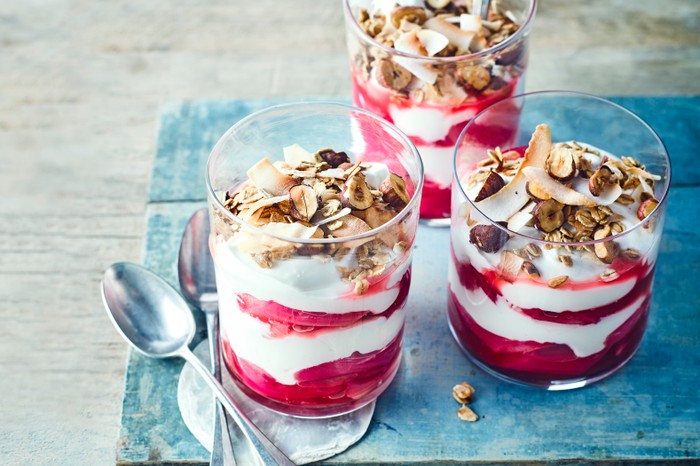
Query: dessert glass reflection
{"x": 556, "y": 226}
{"x": 314, "y": 210}
{"x": 429, "y": 67}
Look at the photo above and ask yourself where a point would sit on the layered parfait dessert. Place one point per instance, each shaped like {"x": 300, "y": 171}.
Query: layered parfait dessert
{"x": 553, "y": 258}
{"x": 430, "y": 66}
{"x": 313, "y": 278}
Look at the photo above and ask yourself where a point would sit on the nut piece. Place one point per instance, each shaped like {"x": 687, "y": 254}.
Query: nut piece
{"x": 600, "y": 179}
{"x": 302, "y": 202}
{"x": 392, "y": 75}
{"x": 560, "y": 164}
{"x": 463, "y": 392}
{"x": 476, "y": 76}
{"x": 607, "y": 250}
{"x": 333, "y": 158}
{"x": 393, "y": 190}
{"x": 646, "y": 208}
{"x": 488, "y": 238}
{"x": 548, "y": 215}
{"x": 491, "y": 186}
{"x": 356, "y": 194}
{"x": 535, "y": 191}
{"x": 465, "y": 413}
{"x": 412, "y": 14}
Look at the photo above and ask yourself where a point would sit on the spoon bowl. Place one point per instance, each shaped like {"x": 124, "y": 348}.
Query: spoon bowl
{"x": 157, "y": 321}
{"x": 195, "y": 264}
{"x": 147, "y": 311}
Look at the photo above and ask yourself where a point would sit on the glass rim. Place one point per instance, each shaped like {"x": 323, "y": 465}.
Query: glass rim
{"x": 489, "y": 51}
{"x": 349, "y": 109}
{"x": 664, "y": 152}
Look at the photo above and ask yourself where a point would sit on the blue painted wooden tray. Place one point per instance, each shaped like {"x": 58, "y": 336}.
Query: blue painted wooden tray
{"x": 646, "y": 413}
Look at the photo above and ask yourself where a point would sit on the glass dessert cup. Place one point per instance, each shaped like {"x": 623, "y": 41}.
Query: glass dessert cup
{"x": 431, "y": 98}
{"x": 312, "y": 297}
{"x": 550, "y": 277}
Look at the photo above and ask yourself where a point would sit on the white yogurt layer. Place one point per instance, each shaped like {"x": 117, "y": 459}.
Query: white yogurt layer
{"x": 501, "y": 319}
{"x": 283, "y": 357}
{"x": 302, "y": 283}
{"x": 437, "y": 164}
{"x": 429, "y": 124}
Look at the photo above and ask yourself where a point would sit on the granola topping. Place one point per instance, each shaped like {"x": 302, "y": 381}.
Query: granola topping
{"x": 440, "y": 29}
{"x": 315, "y": 196}
{"x": 564, "y": 193}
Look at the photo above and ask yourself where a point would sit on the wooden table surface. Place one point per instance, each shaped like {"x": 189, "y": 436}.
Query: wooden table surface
{"x": 81, "y": 85}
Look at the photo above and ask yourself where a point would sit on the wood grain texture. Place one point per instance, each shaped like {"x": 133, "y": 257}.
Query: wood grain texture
{"x": 82, "y": 83}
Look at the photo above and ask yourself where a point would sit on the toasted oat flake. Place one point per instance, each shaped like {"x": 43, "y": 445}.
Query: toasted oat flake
{"x": 556, "y": 282}
{"x": 465, "y": 413}
{"x": 463, "y": 392}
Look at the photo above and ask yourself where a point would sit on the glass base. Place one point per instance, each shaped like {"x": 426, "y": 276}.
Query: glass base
{"x": 435, "y": 222}
{"x": 553, "y": 385}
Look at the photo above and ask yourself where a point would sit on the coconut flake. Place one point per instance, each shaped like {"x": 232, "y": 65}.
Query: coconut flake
{"x": 295, "y": 155}
{"x": 408, "y": 42}
{"x": 247, "y": 215}
{"x": 338, "y": 173}
{"x": 457, "y": 36}
{"x": 342, "y": 213}
{"x": 432, "y": 41}
{"x": 253, "y": 243}
{"x": 268, "y": 178}
{"x": 509, "y": 200}
{"x": 471, "y": 23}
{"x": 521, "y": 218}
{"x": 558, "y": 191}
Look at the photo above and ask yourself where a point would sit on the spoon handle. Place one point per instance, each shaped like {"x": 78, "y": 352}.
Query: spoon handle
{"x": 221, "y": 452}
{"x": 268, "y": 452}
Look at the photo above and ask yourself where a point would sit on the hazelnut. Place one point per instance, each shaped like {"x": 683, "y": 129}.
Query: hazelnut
{"x": 560, "y": 164}
{"x": 333, "y": 158}
{"x": 488, "y": 238}
{"x": 412, "y": 14}
{"x": 646, "y": 208}
{"x": 356, "y": 194}
{"x": 600, "y": 179}
{"x": 491, "y": 186}
{"x": 393, "y": 190}
{"x": 548, "y": 215}
{"x": 392, "y": 75}
{"x": 535, "y": 191}
{"x": 302, "y": 202}
{"x": 607, "y": 250}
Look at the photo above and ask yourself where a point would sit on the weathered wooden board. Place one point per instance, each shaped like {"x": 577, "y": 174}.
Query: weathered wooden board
{"x": 648, "y": 412}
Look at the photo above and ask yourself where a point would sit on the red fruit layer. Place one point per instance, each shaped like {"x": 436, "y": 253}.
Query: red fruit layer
{"x": 435, "y": 202}
{"x": 543, "y": 363}
{"x": 345, "y": 383}
{"x": 284, "y": 320}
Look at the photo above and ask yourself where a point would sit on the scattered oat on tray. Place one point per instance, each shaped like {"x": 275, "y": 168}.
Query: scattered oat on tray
{"x": 463, "y": 394}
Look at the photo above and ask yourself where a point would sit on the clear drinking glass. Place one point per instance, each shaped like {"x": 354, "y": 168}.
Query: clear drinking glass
{"x": 312, "y": 326}
{"x": 431, "y": 98}
{"x": 558, "y": 309}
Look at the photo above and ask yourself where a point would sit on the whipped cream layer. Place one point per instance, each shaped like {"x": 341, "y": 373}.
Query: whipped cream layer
{"x": 283, "y": 357}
